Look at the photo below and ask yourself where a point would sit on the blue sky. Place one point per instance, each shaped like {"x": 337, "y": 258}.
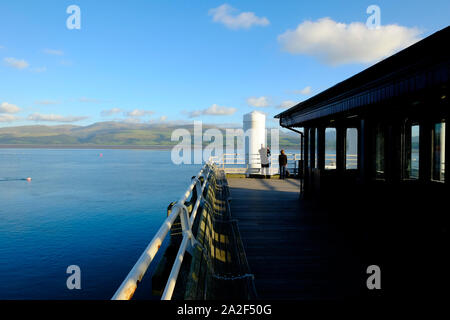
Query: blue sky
{"x": 165, "y": 61}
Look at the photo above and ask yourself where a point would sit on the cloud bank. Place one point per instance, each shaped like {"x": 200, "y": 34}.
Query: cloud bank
{"x": 337, "y": 43}
{"x": 286, "y": 104}
{"x": 225, "y": 14}
{"x": 54, "y": 118}
{"x": 214, "y": 110}
{"x": 6, "y": 107}
{"x": 47, "y": 102}
{"x": 259, "y": 102}
{"x": 305, "y": 91}
{"x": 16, "y": 63}
{"x": 139, "y": 113}
{"x": 110, "y": 112}
{"x": 8, "y": 118}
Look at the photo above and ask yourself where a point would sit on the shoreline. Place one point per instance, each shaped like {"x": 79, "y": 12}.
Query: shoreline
{"x": 59, "y": 146}
{"x": 80, "y": 146}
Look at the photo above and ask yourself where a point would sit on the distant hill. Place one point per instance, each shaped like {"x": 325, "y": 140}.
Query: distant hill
{"x": 107, "y": 134}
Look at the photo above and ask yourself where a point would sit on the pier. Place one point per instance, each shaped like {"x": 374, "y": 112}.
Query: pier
{"x": 248, "y": 238}
{"x": 376, "y": 205}
{"x": 292, "y": 249}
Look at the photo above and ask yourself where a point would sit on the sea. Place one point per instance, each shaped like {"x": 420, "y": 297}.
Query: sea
{"x": 95, "y": 209}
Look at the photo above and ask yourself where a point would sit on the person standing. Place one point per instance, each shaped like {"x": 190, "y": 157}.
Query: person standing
{"x": 282, "y": 161}
{"x": 264, "y": 154}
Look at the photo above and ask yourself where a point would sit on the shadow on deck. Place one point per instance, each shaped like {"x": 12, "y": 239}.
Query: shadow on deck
{"x": 292, "y": 249}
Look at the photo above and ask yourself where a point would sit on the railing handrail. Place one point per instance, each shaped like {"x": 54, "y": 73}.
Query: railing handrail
{"x": 240, "y": 159}
{"x": 129, "y": 285}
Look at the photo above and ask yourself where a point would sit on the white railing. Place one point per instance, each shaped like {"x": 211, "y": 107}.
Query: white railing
{"x": 239, "y": 163}
{"x": 129, "y": 285}
{"x": 351, "y": 161}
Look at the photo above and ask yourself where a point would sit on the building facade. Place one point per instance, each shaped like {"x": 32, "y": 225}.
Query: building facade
{"x": 376, "y": 154}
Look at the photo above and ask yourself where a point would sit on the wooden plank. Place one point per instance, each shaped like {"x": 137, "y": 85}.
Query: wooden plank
{"x": 293, "y": 252}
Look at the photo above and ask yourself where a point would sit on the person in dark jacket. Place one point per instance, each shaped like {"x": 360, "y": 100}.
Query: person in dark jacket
{"x": 282, "y": 161}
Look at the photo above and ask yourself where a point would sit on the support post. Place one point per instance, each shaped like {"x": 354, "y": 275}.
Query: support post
{"x": 340, "y": 149}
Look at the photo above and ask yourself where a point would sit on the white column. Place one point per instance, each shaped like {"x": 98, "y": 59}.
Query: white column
{"x": 255, "y": 136}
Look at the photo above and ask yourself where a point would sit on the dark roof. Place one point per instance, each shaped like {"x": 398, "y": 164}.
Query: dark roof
{"x": 393, "y": 76}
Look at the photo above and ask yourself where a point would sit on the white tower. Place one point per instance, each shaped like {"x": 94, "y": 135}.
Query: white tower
{"x": 255, "y": 136}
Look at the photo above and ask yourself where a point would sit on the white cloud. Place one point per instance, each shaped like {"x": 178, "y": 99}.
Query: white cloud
{"x": 47, "y": 102}
{"x": 339, "y": 43}
{"x": 159, "y": 120}
{"x": 214, "y": 110}
{"x": 260, "y": 102}
{"x": 8, "y": 118}
{"x": 22, "y": 64}
{"x": 139, "y": 113}
{"x": 16, "y": 63}
{"x": 195, "y": 114}
{"x": 54, "y": 118}
{"x": 53, "y": 52}
{"x": 169, "y": 123}
{"x": 6, "y": 107}
{"x": 110, "y": 112}
{"x": 224, "y": 14}
{"x": 286, "y": 104}
{"x": 305, "y": 91}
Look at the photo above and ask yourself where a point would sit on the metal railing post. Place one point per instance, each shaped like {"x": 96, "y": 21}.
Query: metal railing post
{"x": 170, "y": 286}
{"x": 186, "y": 225}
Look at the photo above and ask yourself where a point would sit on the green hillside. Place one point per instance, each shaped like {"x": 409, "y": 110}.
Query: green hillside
{"x": 106, "y": 133}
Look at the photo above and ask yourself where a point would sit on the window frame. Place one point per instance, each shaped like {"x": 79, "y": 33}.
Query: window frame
{"x": 407, "y": 151}
{"x": 379, "y": 128}
{"x": 433, "y": 136}
{"x": 325, "y": 148}
{"x": 357, "y": 149}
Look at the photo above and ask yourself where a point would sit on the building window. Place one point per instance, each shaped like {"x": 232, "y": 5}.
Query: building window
{"x": 330, "y": 148}
{"x": 316, "y": 149}
{"x": 412, "y": 151}
{"x": 438, "y": 170}
{"x": 351, "y": 149}
{"x": 311, "y": 148}
{"x": 379, "y": 152}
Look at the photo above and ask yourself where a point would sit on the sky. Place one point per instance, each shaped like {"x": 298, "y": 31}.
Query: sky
{"x": 173, "y": 61}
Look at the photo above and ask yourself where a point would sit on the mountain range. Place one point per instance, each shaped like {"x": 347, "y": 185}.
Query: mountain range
{"x": 108, "y": 134}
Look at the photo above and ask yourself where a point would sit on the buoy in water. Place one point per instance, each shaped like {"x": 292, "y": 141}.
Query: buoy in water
{"x": 28, "y": 179}
{"x": 101, "y": 154}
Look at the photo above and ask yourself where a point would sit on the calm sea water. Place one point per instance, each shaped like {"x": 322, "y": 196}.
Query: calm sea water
{"x": 81, "y": 208}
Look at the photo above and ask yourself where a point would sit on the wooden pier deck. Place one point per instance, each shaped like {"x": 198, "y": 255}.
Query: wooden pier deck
{"x": 292, "y": 249}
